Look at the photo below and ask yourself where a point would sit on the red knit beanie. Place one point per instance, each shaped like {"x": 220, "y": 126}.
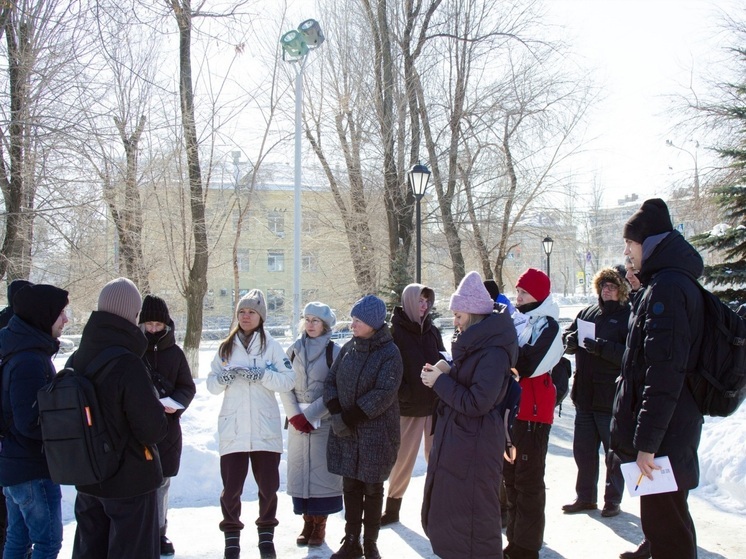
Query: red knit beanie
{"x": 535, "y": 283}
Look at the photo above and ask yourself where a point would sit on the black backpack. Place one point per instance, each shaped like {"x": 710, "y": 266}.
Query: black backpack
{"x": 77, "y": 442}
{"x": 329, "y": 354}
{"x": 718, "y": 381}
{"x": 561, "y": 374}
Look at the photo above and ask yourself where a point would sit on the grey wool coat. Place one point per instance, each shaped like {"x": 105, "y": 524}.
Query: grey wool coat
{"x": 308, "y": 476}
{"x": 364, "y": 380}
{"x": 461, "y": 505}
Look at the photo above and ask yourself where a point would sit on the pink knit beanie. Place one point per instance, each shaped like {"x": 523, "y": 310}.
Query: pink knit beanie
{"x": 471, "y": 296}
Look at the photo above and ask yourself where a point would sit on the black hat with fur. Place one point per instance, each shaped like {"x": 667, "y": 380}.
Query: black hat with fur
{"x": 612, "y": 275}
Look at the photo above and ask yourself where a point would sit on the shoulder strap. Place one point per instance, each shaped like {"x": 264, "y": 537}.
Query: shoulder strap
{"x": 106, "y": 357}
{"x": 6, "y": 388}
{"x": 329, "y": 354}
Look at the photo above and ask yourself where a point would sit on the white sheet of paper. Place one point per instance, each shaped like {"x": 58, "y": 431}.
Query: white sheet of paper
{"x": 169, "y": 402}
{"x": 585, "y": 330}
{"x": 663, "y": 480}
{"x": 315, "y": 424}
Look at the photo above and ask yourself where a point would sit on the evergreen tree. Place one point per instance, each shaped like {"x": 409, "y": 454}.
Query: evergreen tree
{"x": 729, "y": 276}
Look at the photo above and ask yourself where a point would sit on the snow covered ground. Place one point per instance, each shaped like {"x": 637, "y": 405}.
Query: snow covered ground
{"x": 718, "y": 505}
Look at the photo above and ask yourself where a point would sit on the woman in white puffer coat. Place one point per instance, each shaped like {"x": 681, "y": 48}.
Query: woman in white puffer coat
{"x": 316, "y": 492}
{"x": 249, "y": 367}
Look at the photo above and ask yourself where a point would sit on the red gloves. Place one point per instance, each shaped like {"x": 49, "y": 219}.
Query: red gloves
{"x": 301, "y": 423}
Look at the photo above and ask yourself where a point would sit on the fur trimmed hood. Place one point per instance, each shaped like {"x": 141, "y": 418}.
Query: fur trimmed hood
{"x": 612, "y": 275}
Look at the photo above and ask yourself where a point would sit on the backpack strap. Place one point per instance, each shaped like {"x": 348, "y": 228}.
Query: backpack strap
{"x": 329, "y": 354}
{"x": 106, "y": 357}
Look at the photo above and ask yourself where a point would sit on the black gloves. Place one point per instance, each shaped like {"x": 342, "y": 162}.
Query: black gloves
{"x": 594, "y": 347}
{"x": 571, "y": 344}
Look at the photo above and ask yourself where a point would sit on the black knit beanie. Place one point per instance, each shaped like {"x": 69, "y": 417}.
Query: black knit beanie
{"x": 651, "y": 219}
{"x": 40, "y": 305}
{"x": 154, "y": 309}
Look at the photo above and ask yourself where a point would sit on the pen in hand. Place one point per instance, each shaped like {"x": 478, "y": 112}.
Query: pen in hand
{"x": 639, "y": 480}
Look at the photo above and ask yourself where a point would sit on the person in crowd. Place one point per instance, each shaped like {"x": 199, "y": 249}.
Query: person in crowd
{"x": 633, "y": 278}
{"x": 654, "y": 411}
{"x": 316, "y": 492}
{"x": 118, "y": 517}
{"x": 361, "y": 394}
{"x": 5, "y": 315}
{"x": 598, "y": 361}
{"x": 172, "y": 378}
{"x": 499, "y": 298}
{"x": 27, "y": 344}
{"x": 248, "y": 369}
{"x": 540, "y": 342}
{"x": 461, "y": 508}
{"x": 419, "y": 342}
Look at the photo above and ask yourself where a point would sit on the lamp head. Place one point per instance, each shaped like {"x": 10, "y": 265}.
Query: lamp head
{"x": 419, "y": 175}
{"x": 311, "y": 32}
{"x": 293, "y": 45}
{"x": 547, "y": 242}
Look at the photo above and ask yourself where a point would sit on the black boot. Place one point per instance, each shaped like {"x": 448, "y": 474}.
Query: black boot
{"x": 266, "y": 542}
{"x": 232, "y": 545}
{"x": 350, "y": 548}
{"x": 370, "y": 549}
{"x": 392, "y": 511}
{"x": 642, "y": 551}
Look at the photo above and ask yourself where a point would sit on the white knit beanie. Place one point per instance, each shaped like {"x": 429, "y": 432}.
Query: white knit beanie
{"x": 121, "y": 297}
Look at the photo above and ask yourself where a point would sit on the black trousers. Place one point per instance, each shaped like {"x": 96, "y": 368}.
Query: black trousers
{"x": 363, "y": 507}
{"x": 116, "y": 528}
{"x": 234, "y": 468}
{"x": 524, "y": 485}
{"x": 668, "y": 525}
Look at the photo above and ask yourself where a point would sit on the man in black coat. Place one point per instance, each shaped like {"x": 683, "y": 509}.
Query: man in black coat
{"x": 597, "y": 365}
{"x": 118, "y": 518}
{"x": 654, "y": 411}
{"x": 27, "y": 346}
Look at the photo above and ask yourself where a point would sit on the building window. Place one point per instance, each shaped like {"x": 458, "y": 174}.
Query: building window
{"x": 309, "y": 262}
{"x": 275, "y": 260}
{"x": 276, "y": 222}
{"x": 242, "y": 259}
{"x": 308, "y": 223}
{"x": 310, "y": 295}
{"x": 275, "y": 300}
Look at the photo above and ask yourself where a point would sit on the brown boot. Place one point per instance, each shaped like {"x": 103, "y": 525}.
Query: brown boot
{"x": 303, "y": 538}
{"x": 316, "y": 539}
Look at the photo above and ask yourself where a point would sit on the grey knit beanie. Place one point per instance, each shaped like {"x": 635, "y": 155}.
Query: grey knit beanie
{"x": 254, "y": 299}
{"x": 322, "y": 311}
{"x": 371, "y": 310}
{"x": 121, "y": 297}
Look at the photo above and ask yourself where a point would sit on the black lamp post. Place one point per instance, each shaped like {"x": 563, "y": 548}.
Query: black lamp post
{"x": 548, "y": 242}
{"x": 419, "y": 175}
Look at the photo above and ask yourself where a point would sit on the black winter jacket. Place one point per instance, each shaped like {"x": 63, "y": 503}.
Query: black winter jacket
{"x": 595, "y": 375}
{"x": 27, "y": 366}
{"x": 171, "y": 377}
{"x": 130, "y": 405}
{"x": 654, "y": 410}
{"x": 417, "y": 345}
{"x": 363, "y": 381}
{"x": 461, "y": 505}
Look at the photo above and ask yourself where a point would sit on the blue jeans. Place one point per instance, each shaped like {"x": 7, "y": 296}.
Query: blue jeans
{"x": 592, "y": 430}
{"x": 34, "y": 517}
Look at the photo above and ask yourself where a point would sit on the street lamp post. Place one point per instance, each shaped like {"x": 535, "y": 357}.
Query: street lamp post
{"x": 669, "y": 143}
{"x": 296, "y": 44}
{"x": 418, "y": 175}
{"x": 548, "y": 243}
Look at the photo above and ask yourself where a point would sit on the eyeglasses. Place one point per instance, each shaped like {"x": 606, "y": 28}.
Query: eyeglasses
{"x": 314, "y": 321}
{"x": 609, "y": 286}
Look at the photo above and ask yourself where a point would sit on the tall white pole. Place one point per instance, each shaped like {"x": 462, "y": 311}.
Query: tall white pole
{"x": 295, "y": 320}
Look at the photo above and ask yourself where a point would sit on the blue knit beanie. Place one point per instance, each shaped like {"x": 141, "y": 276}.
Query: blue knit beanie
{"x": 371, "y": 310}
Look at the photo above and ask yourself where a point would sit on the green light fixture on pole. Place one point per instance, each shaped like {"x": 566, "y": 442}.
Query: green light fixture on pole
{"x": 296, "y": 44}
